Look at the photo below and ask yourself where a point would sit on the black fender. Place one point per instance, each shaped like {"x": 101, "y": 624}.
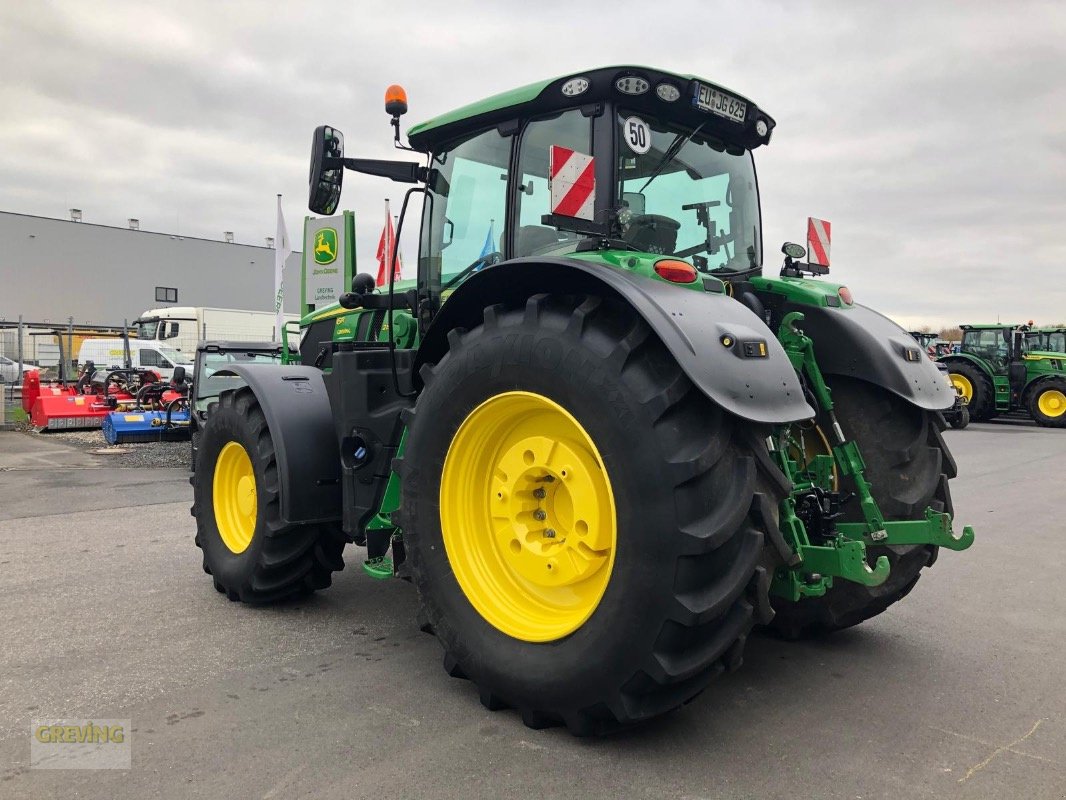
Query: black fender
{"x": 691, "y": 324}
{"x": 861, "y": 343}
{"x": 297, "y": 410}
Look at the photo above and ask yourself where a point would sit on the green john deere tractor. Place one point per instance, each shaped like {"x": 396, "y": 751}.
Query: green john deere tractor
{"x": 998, "y": 371}
{"x": 601, "y": 443}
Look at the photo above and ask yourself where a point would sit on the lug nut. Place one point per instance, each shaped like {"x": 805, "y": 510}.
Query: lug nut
{"x": 539, "y": 494}
{"x": 539, "y": 515}
{"x": 550, "y": 533}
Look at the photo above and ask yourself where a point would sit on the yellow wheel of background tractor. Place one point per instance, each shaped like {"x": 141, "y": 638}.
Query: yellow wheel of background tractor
{"x": 962, "y": 385}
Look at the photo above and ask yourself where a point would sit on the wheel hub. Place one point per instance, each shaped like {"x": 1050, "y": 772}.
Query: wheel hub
{"x": 538, "y": 482}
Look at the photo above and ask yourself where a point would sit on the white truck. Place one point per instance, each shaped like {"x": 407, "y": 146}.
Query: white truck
{"x": 181, "y": 327}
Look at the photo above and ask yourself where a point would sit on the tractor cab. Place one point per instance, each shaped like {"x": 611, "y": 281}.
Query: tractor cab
{"x": 1046, "y": 340}
{"x": 631, "y": 163}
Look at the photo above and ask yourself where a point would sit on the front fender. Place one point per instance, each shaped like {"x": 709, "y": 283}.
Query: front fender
{"x": 691, "y": 324}
{"x": 297, "y": 410}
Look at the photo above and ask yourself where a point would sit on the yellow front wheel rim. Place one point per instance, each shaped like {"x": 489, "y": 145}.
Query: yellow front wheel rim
{"x": 962, "y": 385}
{"x": 234, "y": 495}
{"x": 1052, "y": 403}
{"x": 528, "y": 517}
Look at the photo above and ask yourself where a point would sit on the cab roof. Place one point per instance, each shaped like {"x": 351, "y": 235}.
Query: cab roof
{"x": 589, "y": 87}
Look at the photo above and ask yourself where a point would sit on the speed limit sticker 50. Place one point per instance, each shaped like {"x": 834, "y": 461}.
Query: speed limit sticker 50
{"x": 637, "y": 135}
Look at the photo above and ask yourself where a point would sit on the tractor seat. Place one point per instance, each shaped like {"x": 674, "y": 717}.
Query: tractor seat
{"x": 532, "y": 238}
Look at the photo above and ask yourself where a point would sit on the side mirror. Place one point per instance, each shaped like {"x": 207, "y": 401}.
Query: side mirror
{"x": 327, "y": 170}
{"x": 179, "y": 375}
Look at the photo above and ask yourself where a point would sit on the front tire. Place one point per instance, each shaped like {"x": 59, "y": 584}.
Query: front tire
{"x": 673, "y": 498}
{"x": 250, "y": 553}
{"x": 908, "y": 465}
{"x": 961, "y": 418}
{"x": 1047, "y": 403}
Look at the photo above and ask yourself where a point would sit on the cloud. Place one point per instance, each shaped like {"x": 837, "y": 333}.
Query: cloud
{"x": 932, "y": 136}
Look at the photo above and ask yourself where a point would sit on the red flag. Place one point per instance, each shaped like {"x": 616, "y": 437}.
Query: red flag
{"x": 386, "y": 248}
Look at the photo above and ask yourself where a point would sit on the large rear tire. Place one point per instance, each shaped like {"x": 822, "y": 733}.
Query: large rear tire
{"x": 573, "y": 408}
{"x": 908, "y": 465}
{"x": 250, "y": 553}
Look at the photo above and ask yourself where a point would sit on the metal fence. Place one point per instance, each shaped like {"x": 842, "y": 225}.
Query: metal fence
{"x": 51, "y": 348}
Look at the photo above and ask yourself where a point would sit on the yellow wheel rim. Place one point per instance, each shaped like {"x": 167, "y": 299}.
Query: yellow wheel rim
{"x": 528, "y": 517}
{"x": 1052, "y": 403}
{"x": 962, "y": 385}
{"x": 234, "y": 497}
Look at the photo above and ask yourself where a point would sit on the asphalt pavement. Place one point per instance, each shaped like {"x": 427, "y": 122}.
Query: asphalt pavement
{"x": 105, "y": 612}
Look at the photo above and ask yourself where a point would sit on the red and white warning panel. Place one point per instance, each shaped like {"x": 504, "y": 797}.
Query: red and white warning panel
{"x": 818, "y": 241}
{"x": 572, "y": 183}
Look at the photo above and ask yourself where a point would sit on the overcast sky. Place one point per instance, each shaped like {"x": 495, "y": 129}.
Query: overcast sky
{"x": 931, "y": 135}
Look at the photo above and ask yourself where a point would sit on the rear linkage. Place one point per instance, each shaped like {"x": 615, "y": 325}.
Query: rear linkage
{"x": 815, "y": 503}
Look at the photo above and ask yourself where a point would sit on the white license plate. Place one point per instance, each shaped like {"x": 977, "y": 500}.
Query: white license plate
{"x": 710, "y": 99}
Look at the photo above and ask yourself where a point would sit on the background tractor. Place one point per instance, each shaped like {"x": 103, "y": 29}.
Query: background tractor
{"x": 600, "y": 442}
{"x": 998, "y": 371}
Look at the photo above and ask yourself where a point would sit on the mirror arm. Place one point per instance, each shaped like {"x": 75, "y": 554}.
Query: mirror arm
{"x": 400, "y": 171}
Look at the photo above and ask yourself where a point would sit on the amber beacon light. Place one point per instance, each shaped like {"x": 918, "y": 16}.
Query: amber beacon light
{"x": 395, "y": 100}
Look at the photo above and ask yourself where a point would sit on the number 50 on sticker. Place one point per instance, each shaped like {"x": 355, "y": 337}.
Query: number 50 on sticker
{"x": 637, "y": 135}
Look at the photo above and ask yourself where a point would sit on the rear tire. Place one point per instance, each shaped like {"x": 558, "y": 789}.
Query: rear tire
{"x": 908, "y": 465}
{"x": 695, "y": 496}
{"x": 982, "y": 402}
{"x": 251, "y": 554}
{"x": 1047, "y": 403}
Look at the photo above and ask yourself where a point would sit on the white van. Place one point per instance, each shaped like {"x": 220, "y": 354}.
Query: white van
{"x": 108, "y": 354}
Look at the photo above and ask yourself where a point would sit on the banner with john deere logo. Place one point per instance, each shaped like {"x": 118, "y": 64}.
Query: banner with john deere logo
{"x": 328, "y": 260}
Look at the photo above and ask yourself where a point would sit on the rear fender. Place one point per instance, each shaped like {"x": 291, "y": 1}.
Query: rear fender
{"x": 297, "y": 410}
{"x": 861, "y": 343}
{"x": 691, "y": 324}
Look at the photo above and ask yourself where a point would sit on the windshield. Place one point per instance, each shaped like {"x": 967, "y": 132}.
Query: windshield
{"x": 176, "y": 357}
{"x": 146, "y": 328}
{"x": 209, "y": 385}
{"x": 687, "y": 194}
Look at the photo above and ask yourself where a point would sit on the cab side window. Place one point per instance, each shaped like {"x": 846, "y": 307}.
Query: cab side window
{"x": 464, "y": 214}
{"x": 572, "y": 130}
{"x": 150, "y": 358}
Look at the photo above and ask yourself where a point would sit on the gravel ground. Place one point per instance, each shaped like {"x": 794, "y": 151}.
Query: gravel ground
{"x": 131, "y": 456}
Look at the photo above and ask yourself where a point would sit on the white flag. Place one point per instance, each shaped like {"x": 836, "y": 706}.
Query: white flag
{"x": 281, "y": 254}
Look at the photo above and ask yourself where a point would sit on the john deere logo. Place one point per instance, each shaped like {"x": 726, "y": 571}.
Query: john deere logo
{"x": 326, "y": 246}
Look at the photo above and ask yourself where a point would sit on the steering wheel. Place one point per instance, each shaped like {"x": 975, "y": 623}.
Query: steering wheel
{"x": 486, "y": 260}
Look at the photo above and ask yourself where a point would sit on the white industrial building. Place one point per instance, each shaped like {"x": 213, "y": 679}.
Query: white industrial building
{"x": 54, "y": 269}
